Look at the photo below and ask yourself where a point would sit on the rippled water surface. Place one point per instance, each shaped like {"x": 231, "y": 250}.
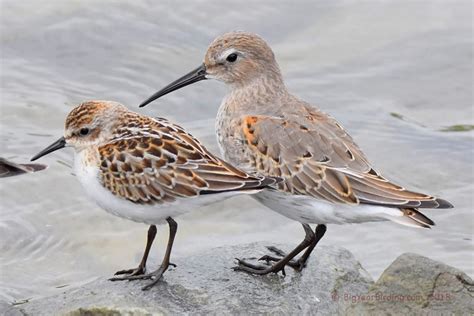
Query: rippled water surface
{"x": 393, "y": 72}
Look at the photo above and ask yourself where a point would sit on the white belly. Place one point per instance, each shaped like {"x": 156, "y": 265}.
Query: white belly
{"x": 150, "y": 214}
{"x": 305, "y": 209}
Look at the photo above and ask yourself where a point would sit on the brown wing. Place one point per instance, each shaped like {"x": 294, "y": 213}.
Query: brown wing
{"x": 164, "y": 163}
{"x": 316, "y": 157}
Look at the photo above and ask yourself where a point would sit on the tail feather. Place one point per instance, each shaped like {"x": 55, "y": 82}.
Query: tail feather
{"x": 443, "y": 203}
{"x": 413, "y": 218}
{"x": 252, "y": 185}
{"x": 10, "y": 168}
{"x": 268, "y": 181}
{"x": 379, "y": 191}
{"x": 418, "y": 216}
{"x": 261, "y": 182}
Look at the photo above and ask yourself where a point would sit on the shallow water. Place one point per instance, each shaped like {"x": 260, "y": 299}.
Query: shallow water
{"x": 394, "y": 73}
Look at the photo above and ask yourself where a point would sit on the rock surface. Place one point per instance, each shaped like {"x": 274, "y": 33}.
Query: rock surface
{"x": 333, "y": 283}
{"x": 206, "y": 284}
{"x": 414, "y": 285}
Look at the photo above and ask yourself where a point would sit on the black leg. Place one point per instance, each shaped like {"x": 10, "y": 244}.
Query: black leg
{"x": 280, "y": 264}
{"x": 142, "y": 266}
{"x": 157, "y": 274}
{"x": 166, "y": 260}
{"x": 299, "y": 264}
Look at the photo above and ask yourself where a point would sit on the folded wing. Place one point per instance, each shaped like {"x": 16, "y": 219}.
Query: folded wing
{"x": 162, "y": 163}
{"x": 315, "y": 156}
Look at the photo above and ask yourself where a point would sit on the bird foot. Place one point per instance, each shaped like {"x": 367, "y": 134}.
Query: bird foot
{"x": 297, "y": 265}
{"x": 155, "y": 276}
{"x": 131, "y": 272}
{"x": 140, "y": 270}
{"x": 258, "y": 269}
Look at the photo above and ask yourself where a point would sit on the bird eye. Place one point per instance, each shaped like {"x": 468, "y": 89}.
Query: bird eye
{"x": 231, "y": 58}
{"x": 84, "y": 131}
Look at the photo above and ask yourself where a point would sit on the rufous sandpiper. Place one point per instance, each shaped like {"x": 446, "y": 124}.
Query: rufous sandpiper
{"x": 261, "y": 127}
{"x": 147, "y": 170}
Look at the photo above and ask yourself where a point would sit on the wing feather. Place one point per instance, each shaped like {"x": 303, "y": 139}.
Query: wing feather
{"x": 315, "y": 156}
{"x": 162, "y": 162}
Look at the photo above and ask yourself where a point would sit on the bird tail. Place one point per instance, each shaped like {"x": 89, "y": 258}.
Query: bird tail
{"x": 413, "y": 218}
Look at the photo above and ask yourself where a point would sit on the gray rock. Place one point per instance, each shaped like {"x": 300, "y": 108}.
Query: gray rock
{"x": 414, "y": 284}
{"x": 206, "y": 284}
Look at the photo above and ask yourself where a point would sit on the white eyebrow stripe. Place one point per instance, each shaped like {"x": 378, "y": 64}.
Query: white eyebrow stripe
{"x": 227, "y": 52}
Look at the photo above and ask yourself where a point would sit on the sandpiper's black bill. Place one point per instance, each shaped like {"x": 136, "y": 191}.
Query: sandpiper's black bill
{"x": 60, "y": 143}
{"x": 196, "y": 75}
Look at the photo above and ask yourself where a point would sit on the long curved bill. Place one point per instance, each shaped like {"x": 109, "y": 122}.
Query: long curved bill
{"x": 196, "y": 75}
{"x": 60, "y": 143}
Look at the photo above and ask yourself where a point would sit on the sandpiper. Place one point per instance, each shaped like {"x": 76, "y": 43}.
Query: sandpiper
{"x": 261, "y": 127}
{"x": 146, "y": 170}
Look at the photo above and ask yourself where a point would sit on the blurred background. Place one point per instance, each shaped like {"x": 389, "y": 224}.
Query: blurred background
{"x": 396, "y": 74}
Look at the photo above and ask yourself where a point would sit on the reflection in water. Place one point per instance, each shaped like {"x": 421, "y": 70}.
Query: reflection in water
{"x": 360, "y": 62}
